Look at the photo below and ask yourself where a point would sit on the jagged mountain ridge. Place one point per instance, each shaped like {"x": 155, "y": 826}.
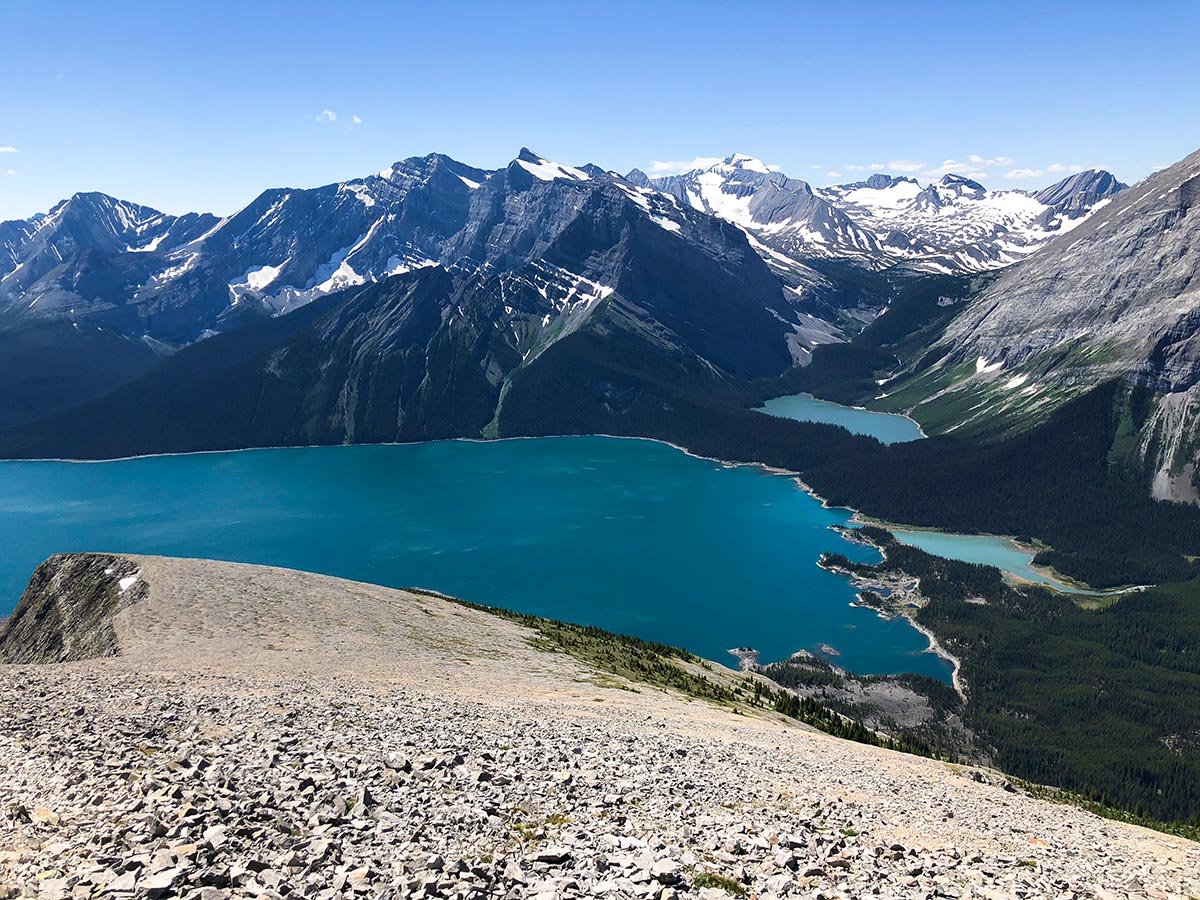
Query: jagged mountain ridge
{"x": 954, "y": 225}
{"x": 144, "y": 274}
{"x": 1116, "y": 297}
{"x": 509, "y": 262}
{"x": 429, "y": 353}
{"x": 191, "y": 277}
{"x": 536, "y": 244}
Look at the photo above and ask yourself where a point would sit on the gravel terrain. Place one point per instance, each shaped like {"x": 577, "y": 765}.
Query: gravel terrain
{"x": 267, "y": 733}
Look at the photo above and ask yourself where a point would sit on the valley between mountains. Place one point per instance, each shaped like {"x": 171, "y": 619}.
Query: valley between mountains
{"x": 1045, "y": 341}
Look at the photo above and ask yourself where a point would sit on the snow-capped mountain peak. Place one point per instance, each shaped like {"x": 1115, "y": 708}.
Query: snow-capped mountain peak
{"x": 744, "y": 163}
{"x": 954, "y": 224}
{"x": 546, "y": 170}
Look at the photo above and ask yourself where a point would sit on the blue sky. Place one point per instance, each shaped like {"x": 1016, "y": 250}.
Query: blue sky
{"x": 200, "y": 106}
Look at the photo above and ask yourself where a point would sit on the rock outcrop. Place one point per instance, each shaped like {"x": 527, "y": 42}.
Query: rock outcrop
{"x": 67, "y": 610}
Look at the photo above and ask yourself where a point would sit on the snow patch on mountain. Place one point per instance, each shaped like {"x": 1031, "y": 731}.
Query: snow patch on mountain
{"x": 545, "y": 170}
{"x": 954, "y": 225}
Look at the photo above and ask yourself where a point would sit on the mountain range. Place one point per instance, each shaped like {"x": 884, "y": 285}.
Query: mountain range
{"x": 109, "y": 269}
{"x": 411, "y": 303}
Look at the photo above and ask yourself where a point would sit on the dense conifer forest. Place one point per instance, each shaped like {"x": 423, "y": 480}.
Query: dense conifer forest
{"x": 1102, "y": 699}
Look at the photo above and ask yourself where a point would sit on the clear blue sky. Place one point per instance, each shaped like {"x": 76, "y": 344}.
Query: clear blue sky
{"x": 202, "y": 105}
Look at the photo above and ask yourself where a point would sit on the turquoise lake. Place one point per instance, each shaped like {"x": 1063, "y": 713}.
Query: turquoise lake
{"x": 887, "y": 428}
{"x": 630, "y": 535}
{"x": 987, "y": 550}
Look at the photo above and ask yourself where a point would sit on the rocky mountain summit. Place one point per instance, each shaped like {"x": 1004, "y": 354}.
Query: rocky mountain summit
{"x": 510, "y": 262}
{"x": 954, "y": 225}
{"x": 727, "y": 273}
{"x": 268, "y": 733}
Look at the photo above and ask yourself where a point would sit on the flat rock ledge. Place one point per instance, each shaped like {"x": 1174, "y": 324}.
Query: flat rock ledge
{"x": 265, "y": 733}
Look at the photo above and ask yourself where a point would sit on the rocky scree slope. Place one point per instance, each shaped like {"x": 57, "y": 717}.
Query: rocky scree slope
{"x": 270, "y": 733}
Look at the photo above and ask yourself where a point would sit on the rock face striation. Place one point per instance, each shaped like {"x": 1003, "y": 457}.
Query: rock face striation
{"x": 67, "y": 610}
{"x": 267, "y": 733}
{"x": 1118, "y": 294}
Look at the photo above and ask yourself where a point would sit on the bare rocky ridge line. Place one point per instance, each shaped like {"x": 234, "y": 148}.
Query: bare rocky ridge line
{"x": 272, "y": 733}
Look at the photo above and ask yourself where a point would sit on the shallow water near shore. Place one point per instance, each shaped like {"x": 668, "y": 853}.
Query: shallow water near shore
{"x": 630, "y": 535}
{"x": 988, "y": 550}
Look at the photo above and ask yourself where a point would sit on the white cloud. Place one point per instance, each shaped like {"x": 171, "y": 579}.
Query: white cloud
{"x": 9, "y": 150}
{"x": 327, "y": 115}
{"x": 905, "y": 165}
{"x": 357, "y": 120}
{"x": 833, "y": 174}
{"x": 678, "y": 167}
{"x": 877, "y": 167}
{"x": 974, "y": 166}
{"x": 11, "y": 172}
{"x": 774, "y": 168}
{"x": 1052, "y": 169}
{"x": 953, "y": 167}
{"x": 853, "y": 168}
{"x": 992, "y": 163}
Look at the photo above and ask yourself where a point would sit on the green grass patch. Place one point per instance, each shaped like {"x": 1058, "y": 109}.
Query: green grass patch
{"x": 724, "y": 883}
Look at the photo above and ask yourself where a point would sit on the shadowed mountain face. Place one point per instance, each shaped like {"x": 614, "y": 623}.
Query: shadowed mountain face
{"x": 147, "y": 276}
{"x": 429, "y": 353}
{"x": 401, "y": 306}
{"x": 170, "y": 280}
{"x": 520, "y": 258}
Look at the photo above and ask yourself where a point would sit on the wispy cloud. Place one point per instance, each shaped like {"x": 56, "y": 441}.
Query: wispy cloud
{"x": 11, "y": 172}
{"x": 992, "y": 163}
{"x": 1052, "y": 169}
{"x": 679, "y": 166}
{"x": 904, "y": 165}
{"x": 330, "y": 117}
{"x": 973, "y": 165}
{"x": 9, "y": 150}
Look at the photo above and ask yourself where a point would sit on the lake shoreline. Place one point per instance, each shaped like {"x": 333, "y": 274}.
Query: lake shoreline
{"x": 894, "y": 610}
{"x": 796, "y": 477}
{"x": 1051, "y": 579}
